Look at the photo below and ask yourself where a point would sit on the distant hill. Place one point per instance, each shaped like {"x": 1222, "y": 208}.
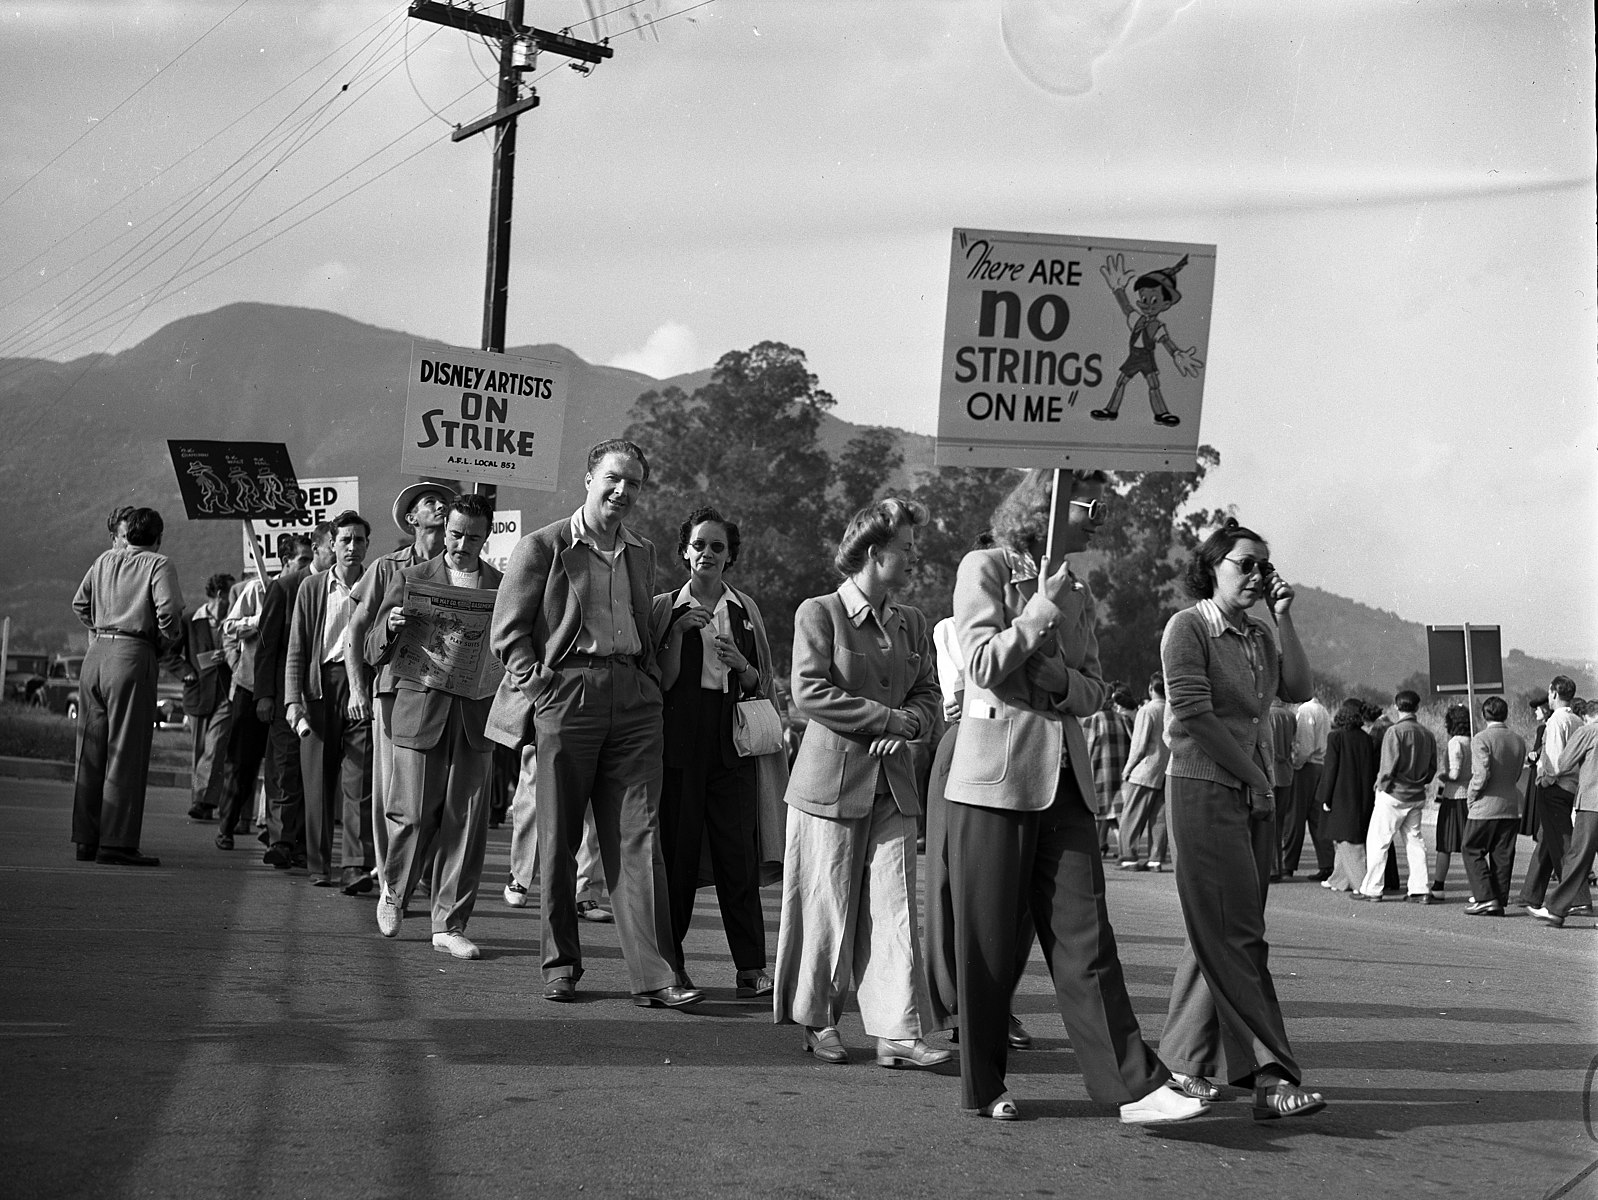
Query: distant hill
{"x": 86, "y": 435}
{"x": 1364, "y": 645}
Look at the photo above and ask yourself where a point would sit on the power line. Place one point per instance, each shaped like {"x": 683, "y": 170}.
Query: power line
{"x": 121, "y": 200}
{"x": 121, "y": 103}
{"x": 159, "y": 240}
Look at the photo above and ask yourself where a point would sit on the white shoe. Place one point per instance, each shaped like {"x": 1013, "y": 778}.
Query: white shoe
{"x": 457, "y": 944}
{"x": 1160, "y": 1105}
{"x": 388, "y": 915}
{"x": 516, "y": 895}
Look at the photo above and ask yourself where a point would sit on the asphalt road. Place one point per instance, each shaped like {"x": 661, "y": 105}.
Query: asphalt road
{"x": 213, "y": 1027}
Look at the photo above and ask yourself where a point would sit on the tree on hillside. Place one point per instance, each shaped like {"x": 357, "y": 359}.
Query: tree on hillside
{"x": 1146, "y": 540}
{"x": 861, "y": 473}
{"x": 747, "y": 443}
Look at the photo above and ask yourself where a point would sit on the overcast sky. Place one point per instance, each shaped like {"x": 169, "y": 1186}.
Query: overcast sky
{"x": 1400, "y": 376}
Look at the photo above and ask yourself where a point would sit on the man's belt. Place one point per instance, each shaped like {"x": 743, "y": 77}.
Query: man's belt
{"x": 129, "y": 637}
{"x": 597, "y": 660}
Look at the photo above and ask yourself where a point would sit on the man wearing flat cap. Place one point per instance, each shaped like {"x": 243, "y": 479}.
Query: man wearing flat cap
{"x": 419, "y": 513}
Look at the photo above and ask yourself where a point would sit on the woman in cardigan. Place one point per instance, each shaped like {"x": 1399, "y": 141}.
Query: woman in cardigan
{"x": 712, "y": 654}
{"x": 1021, "y": 810}
{"x": 1222, "y": 667}
{"x": 1347, "y": 795}
{"x": 863, "y": 675}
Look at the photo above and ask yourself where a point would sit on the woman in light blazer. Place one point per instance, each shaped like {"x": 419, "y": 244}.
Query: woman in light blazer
{"x": 863, "y": 676}
{"x": 1022, "y": 806}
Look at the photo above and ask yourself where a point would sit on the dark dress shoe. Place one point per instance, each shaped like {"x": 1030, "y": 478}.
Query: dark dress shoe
{"x": 279, "y": 855}
{"x": 200, "y": 812}
{"x": 1018, "y": 1036}
{"x": 562, "y": 990}
{"x": 224, "y": 841}
{"x": 118, "y": 857}
{"x": 86, "y": 852}
{"x": 669, "y": 997}
{"x": 321, "y": 881}
{"x": 354, "y": 882}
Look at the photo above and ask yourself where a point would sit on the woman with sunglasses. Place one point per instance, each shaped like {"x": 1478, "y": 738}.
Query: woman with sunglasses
{"x": 1022, "y": 838}
{"x": 1222, "y": 668}
{"x": 713, "y": 653}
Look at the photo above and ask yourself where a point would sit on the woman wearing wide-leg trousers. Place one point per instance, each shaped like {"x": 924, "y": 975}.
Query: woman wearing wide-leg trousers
{"x": 863, "y": 676}
{"x": 1222, "y": 668}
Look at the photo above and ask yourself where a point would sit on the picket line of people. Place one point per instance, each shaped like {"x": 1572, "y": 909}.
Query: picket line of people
{"x": 640, "y": 719}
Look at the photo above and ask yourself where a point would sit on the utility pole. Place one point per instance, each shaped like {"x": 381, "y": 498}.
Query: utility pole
{"x": 518, "y": 44}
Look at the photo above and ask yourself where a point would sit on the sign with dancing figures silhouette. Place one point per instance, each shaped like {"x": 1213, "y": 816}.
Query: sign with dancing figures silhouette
{"x": 1074, "y": 352}
{"x": 236, "y": 481}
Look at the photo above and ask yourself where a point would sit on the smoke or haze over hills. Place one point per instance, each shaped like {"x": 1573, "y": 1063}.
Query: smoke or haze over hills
{"x": 333, "y": 389}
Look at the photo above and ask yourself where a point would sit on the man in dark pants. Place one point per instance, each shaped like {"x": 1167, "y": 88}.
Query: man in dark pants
{"x": 1580, "y": 756}
{"x": 1556, "y": 797}
{"x": 335, "y": 739}
{"x": 131, "y": 602}
{"x": 1492, "y": 819}
{"x": 571, "y": 625}
{"x": 285, "y": 813}
{"x": 1313, "y": 726}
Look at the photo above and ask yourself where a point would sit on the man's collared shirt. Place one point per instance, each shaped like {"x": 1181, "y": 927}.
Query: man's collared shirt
{"x": 1314, "y": 727}
{"x": 1561, "y": 727}
{"x": 340, "y": 606}
{"x": 606, "y": 595}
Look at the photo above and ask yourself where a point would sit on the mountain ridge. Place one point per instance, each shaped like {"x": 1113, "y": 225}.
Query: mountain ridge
{"x": 322, "y": 382}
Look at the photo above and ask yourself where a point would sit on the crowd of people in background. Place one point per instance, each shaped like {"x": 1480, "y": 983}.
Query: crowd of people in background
{"x": 634, "y": 744}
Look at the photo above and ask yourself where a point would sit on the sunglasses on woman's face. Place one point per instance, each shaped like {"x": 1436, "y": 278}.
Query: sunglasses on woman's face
{"x": 1248, "y": 564}
{"x": 701, "y": 545}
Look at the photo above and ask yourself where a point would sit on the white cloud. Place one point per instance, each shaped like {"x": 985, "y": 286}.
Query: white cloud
{"x": 671, "y": 350}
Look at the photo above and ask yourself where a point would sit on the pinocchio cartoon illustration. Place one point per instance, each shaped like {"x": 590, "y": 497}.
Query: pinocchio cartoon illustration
{"x": 1156, "y": 293}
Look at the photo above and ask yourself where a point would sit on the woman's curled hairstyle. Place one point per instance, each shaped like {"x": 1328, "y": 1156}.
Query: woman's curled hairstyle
{"x": 875, "y": 525}
{"x": 699, "y": 516}
{"x": 1351, "y": 715}
{"x": 1199, "y": 577}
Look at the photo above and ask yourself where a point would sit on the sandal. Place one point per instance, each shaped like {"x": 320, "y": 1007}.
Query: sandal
{"x": 1192, "y": 1085}
{"x": 1273, "y": 1101}
{"x": 1002, "y": 1109}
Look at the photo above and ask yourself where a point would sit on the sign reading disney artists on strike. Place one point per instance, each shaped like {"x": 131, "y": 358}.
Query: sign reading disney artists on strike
{"x": 1073, "y": 352}
{"x": 493, "y": 418}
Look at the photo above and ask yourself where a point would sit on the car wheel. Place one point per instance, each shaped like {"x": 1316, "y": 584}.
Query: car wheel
{"x": 72, "y": 710}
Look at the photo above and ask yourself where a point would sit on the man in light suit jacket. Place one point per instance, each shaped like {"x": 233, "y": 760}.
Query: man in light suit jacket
{"x": 335, "y": 739}
{"x": 435, "y": 795}
{"x": 572, "y": 628}
{"x": 1492, "y": 813}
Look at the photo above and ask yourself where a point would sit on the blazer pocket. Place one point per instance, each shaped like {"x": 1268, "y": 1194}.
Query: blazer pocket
{"x": 851, "y": 670}
{"x": 982, "y": 750}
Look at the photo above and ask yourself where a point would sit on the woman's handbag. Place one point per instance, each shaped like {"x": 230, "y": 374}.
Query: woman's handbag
{"x": 756, "y": 728}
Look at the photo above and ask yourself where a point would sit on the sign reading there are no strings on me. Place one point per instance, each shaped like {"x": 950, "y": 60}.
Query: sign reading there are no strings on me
{"x": 1074, "y": 352}
{"x": 490, "y": 418}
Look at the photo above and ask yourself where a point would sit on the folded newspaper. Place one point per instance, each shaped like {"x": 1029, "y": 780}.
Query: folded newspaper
{"x": 444, "y": 642}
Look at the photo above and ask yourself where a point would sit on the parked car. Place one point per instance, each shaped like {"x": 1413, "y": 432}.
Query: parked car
{"x": 25, "y": 674}
{"x": 59, "y": 692}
